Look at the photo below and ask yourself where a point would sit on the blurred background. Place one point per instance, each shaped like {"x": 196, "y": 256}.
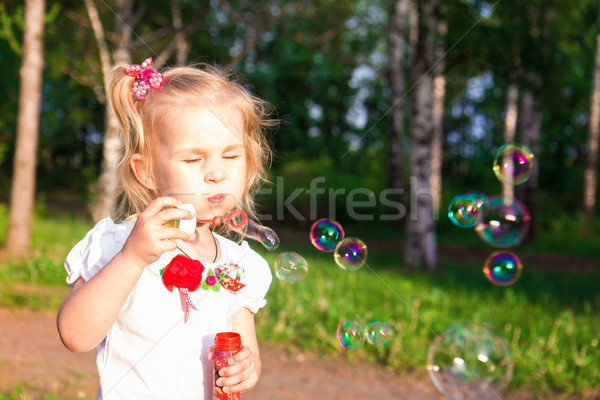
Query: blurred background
{"x": 388, "y": 110}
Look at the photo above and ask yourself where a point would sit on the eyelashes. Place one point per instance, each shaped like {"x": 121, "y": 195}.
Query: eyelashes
{"x": 226, "y": 157}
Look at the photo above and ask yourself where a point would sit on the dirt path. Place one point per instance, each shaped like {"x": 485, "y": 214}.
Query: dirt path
{"x": 32, "y": 357}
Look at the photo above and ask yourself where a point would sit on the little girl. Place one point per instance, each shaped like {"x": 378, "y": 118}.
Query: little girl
{"x": 195, "y": 136}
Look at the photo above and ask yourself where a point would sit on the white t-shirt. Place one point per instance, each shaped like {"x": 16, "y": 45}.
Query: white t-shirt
{"x": 149, "y": 352}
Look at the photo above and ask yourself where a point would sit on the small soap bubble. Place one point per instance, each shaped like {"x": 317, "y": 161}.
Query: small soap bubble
{"x": 378, "y": 333}
{"x": 350, "y": 334}
{"x": 466, "y": 211}
{"x": 290, "y": 267}
{"x": 502, "y": 268}
{"x": 514, "y": 160}
{"x": 325, "y": 234}
{"x": 470, "y": 362}
{"x": 506, "y": 223}
{"x": 350, "y": 254}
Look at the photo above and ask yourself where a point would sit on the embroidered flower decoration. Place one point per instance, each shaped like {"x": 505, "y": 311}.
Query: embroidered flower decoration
{"x": 230, "y": 276}
{"x": 210, "y": 283}
{"x": 185, "y": 274}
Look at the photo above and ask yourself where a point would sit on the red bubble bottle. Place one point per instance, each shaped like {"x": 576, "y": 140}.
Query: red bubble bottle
{"x": 226, "y": 345}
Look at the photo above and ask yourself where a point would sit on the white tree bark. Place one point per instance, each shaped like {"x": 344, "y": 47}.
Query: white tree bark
{"x": 397, "y": 42}
{"x": 420, "y": 244}
{"x": 530, "y": 123}
{"x": 30, "y": 87}
{"x": 510, "y": 128}
{"x": 439, "y": 96}
{"x": 590, "y": 174}
{"x": 108, "y": 182}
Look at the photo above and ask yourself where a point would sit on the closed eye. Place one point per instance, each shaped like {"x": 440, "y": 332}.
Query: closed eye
{"x": 193, "y": 160}
{"x": 231, "y": 156}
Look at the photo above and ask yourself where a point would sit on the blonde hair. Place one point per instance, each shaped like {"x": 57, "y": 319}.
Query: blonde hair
{"x": 141, "y": 122}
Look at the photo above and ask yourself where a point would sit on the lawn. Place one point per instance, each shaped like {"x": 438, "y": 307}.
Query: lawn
{"x": 550, "y": 318}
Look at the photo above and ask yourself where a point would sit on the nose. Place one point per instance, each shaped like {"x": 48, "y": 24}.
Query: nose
{"x": 215, "y": 171}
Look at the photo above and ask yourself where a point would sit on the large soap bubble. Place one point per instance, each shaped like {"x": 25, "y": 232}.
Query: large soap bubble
{"x": 470, "y": 362}
{"x": 506, "y": 223}
{"x": 514, "y": 161}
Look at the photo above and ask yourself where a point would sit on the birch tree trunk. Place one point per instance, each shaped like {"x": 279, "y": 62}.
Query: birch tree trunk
{"x": 30, "y": 87}
{"x": 397, "y": 41}
{"x": 590, "y": 173}
{"x": 420, "y": 245}
{"x": 530, "y": 122}
{"x": 439, "y": 95}
{"x": 108, "y": 182}
{"x": 510, "y": 128}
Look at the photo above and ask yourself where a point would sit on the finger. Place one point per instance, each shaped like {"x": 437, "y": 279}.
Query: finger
{"x": 159, "y": 203}
{"x": 174, "y": 233}
{"x": 247, "y": 383}
{"x": 170, "y": 214}
{"x": 241, "y": 355}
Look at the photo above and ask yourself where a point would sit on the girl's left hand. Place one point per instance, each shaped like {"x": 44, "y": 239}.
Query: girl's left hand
{"x": 241, "y": 375}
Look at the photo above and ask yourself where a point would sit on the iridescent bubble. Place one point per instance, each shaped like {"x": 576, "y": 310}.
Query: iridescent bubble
{"x": 514, "y": 161}
{"x": 325, "y": 234}
{"x": 350, "y": 254}
{"x": 466, "y": 211}
{"x": 350, "y": 334}
{"x": 378, "y": 333}
{"x": 290, "y": 267}
{"x": 470, "y": 362}
{"x": 238, "y": 221}
{"x": 502, "y": 268}
{"x": 506, "y": 224}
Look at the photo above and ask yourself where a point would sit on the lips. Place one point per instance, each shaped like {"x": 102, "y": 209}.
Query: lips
{"x": 216, "y": 199}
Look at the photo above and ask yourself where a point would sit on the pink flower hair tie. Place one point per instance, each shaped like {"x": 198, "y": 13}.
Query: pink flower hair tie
{"x": 146, "y": 78}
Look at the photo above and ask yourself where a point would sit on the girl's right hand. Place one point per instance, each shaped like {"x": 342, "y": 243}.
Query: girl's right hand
{"x": 150, "y": 237}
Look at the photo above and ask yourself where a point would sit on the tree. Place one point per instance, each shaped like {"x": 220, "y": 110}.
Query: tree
{"x": 439, "y": 95}
{"x": 510, "y": 129}
{"x": 23, "y": 187}
{"x": 397, "y": 33}
{"x": 530, "y": 122}
{"x": 421, "y": 245}
{"x": 591, "y": 163}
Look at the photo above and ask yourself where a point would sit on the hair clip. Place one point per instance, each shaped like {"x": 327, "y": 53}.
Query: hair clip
{"x": 146, "y": 78}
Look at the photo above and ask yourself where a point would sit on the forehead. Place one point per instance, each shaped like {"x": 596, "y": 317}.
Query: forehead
{"x": 211, "y": 123}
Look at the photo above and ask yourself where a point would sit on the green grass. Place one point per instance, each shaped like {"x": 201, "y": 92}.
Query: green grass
{"x": 550, "y": 319}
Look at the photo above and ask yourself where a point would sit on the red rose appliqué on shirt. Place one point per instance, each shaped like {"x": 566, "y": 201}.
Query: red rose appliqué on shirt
{"x": 185, "y": 274}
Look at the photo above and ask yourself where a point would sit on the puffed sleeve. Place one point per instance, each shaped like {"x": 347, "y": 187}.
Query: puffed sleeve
{"x": 96, "y": 249}
{"x": 258, "y": 279}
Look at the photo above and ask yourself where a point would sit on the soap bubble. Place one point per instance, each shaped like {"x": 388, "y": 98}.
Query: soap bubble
{"x": 470, "y": 362}
{"x": 502, "y": 268}
{"x": 505, "y": 224}
{"x": 378, "y": 333}
{"x": 350, "y": 334}
{"x": 290, "y": 267}
{"x": 350, "y": 254}
{"x": 262, "y": 234}
{"x": 466, "y": 211}
{"x": 514, "y": 160}
{"x": 239, "y": 222}
{"x": 325, "y": 234}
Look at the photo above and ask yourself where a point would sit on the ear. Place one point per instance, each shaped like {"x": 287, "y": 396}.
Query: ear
{"x": 141, "y": 169}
